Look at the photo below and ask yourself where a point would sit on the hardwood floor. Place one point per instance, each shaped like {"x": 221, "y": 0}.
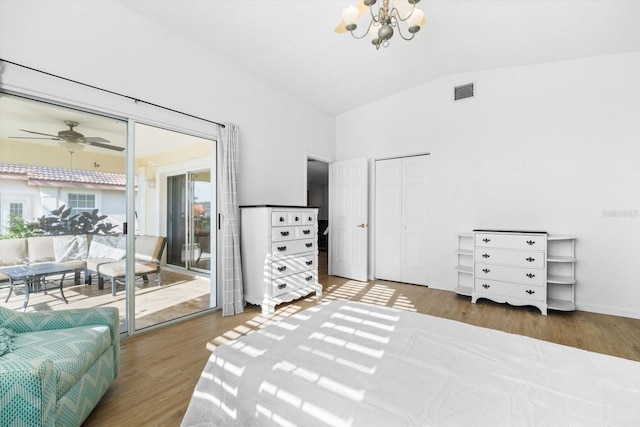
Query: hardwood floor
{"x": 159, "y": 369}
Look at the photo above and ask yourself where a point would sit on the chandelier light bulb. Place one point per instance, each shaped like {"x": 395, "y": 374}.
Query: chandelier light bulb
{"x": 350, "y": 17}
{"x": 415, "y": 20}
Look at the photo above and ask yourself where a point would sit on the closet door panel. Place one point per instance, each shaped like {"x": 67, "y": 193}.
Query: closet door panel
{"x": 389, "y": 220}
{"x": 414, "y": 220}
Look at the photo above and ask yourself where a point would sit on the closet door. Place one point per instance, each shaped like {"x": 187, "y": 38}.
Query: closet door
{"x": 401, "y": 220}
{"x": 414, "y": 220}
{"x": 389, "y": 220}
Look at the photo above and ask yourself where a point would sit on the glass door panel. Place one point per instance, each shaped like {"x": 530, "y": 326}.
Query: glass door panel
{"x": 199, "y": 237}
{"x": 176, "y": 220}
{"x": 174, "y": 200}
{"x": 62, "y": 182}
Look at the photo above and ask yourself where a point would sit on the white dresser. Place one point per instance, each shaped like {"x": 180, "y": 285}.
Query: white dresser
{"x": 510, "y": 267}
{"x": 520, "y": 268}
{"x": 279, "y": 247}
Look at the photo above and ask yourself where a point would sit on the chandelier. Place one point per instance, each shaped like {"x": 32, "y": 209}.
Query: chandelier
{"x": 385, "y": 20}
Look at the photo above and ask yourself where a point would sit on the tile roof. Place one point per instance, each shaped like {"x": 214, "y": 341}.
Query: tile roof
{"x": 38, "y": 175}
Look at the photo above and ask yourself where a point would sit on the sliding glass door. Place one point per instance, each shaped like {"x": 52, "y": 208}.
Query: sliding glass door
{"x": 189, "y": 220}
{"x": 107, "y": 187}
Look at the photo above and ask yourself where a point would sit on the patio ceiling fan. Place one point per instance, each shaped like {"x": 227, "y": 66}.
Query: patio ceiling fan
{"x": 71, "y": 140}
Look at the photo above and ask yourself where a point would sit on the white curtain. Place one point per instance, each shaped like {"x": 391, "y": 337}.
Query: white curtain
{"x": 232, "y": 296}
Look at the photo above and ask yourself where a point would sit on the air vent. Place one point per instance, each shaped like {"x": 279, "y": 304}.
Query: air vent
{"x": 462, "y": 92}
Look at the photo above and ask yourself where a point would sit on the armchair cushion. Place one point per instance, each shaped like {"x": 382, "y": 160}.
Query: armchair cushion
{"x": 51, "y": 320}
{"x": 73, "y": 351}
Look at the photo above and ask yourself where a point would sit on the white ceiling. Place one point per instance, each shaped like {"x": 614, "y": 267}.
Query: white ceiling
{"x": 293, "y": 45}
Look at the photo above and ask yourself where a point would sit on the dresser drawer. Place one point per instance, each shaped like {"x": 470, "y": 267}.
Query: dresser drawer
{"x": 533, "y": 259}
{"x": 536, "y": 293}
{"x": 293, "y": 247}
{"x": 292, "y": 265}
{"x": 279, "y": 234}
{"x": 307, "y": 232}
{"x": 280, "y": 219}
{"x": 308, "y": 218}
{"x": 293, "y": 282}
{"x": 528, "y": 276}
{"x": 296, "y": 218}
{"x": 511, "y": 241}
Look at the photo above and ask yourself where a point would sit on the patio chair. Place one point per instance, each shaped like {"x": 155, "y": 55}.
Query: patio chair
{"x": 148, "y": 255}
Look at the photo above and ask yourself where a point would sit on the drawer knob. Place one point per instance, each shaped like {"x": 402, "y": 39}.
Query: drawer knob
{"x": 486, "y": 270}
{"x": 308, "y": 278}
{"x": 281, "y": 219}
{"x": 485, "y": 255}
{"x": 310, "y": 218}
{"x": 308, "y": 244}
{"x": 282, "y": 285}
{"x": 297, "y": 218}
{"x": 486, "y": 240}
{"x": 531, "y": 259}
{"x": 484, "y": 285}
{"x": 530, "y": 242}
{"x": 306, "y": 231}
{"x": 309, "y": 262}
{"x": 531, "y": 275}
{"x": 284, "y": 233}
{"x": 283, "y": 268}
{"x": 282, "y": 248}
{"x": 530, "y": 291}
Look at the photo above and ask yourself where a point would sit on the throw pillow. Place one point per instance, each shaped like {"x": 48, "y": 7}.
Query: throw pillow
{"x": 108, "y": 246}
{"x": 69, "y": 248}
{"x": 6, "y": 340}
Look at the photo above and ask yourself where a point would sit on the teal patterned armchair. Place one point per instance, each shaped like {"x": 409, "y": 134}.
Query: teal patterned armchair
{"x": 60, "y": 365}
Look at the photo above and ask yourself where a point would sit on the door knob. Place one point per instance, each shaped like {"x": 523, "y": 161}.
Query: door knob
{"x": 361, "y": 225}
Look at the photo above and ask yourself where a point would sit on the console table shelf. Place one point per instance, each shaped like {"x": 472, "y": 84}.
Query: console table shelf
{"x": 464, "y": 266}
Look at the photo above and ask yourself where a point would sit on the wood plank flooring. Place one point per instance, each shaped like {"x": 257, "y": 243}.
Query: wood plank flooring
{"x": 159, "y": 369}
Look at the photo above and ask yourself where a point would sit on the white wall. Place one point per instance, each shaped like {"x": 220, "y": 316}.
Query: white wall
{"x": 552, "y": 147}
{"x": 106, "y": 45}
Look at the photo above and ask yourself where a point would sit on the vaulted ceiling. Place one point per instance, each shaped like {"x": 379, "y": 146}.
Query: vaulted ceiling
{"x": 293, "y": 45}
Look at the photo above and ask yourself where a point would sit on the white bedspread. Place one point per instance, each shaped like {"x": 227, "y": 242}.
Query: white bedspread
{"x": 354, "y": 364}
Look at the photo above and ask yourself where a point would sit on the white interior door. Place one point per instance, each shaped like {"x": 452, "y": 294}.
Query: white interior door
{"x": 348, "y": 219}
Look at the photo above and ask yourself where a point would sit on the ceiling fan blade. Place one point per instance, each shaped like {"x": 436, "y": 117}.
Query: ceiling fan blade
{"x": 341, "y": 28}
{"x": 92, "y": 139}
{"x": 106, "y": 146}
{"x": 33, "y": 137}
{"x": 39, "y": 133}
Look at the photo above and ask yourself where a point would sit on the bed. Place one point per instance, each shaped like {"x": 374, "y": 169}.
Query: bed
{"x": 344, "y": 363}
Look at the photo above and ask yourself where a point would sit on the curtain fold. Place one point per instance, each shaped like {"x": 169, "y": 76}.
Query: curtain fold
{"x": 231, "y": 274}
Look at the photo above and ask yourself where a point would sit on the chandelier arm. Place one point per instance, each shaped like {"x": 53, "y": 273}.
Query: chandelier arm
{"x": 402, "y": 35}
{"x": 397, "y": 14}
{"x": 364, "y": 34}
{"x": 395, "y": 19}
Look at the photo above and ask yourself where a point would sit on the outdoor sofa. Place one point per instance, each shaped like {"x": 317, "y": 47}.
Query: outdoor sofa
{"x": 99, "y": 254}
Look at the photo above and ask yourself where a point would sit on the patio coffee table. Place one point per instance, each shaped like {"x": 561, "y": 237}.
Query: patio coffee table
{"x": 34, "y": 278}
